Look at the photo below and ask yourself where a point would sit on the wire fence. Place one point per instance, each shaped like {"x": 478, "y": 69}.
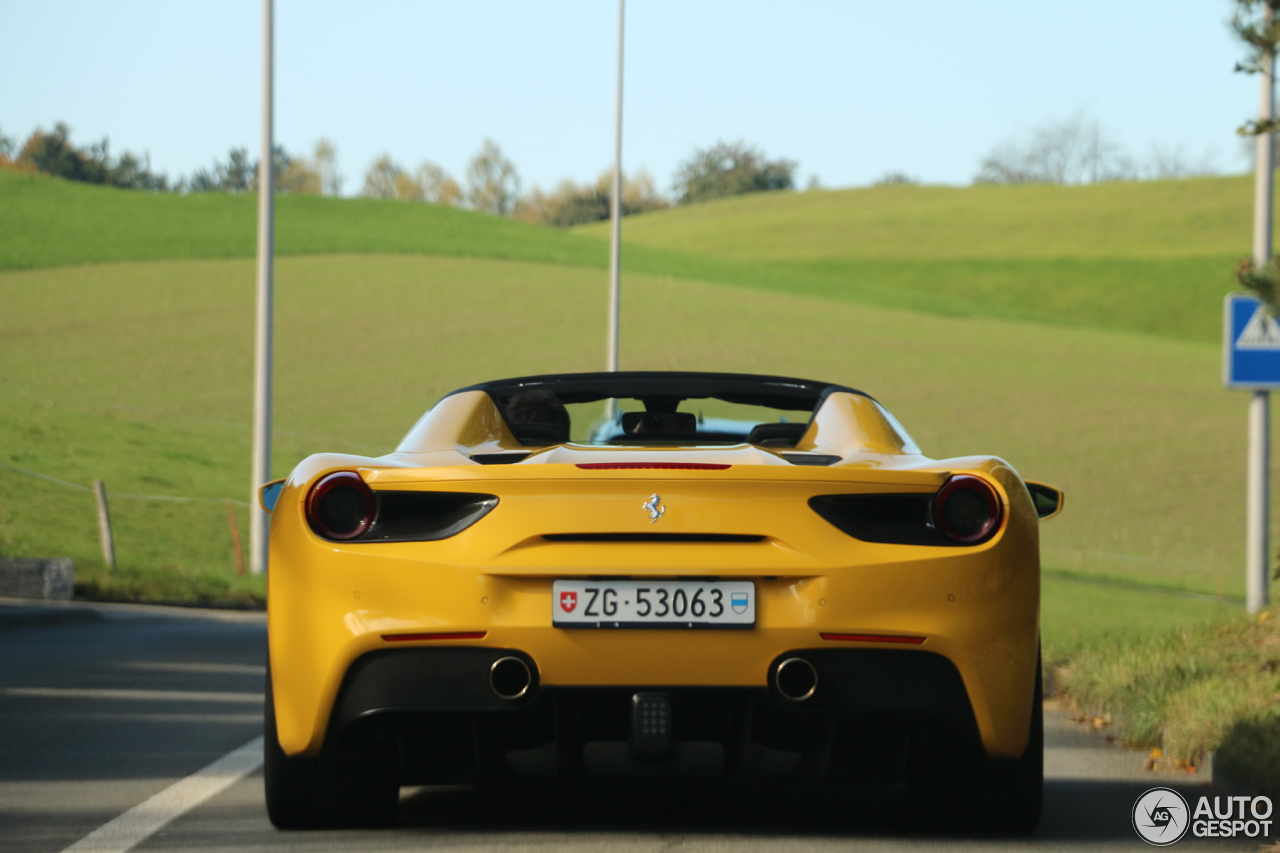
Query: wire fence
{"x": 171, "y": 529}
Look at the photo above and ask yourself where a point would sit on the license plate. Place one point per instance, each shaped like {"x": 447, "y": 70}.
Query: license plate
{"x": 653, "y": 604}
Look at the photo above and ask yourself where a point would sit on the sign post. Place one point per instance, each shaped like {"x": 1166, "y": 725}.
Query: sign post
{"x": 1251, "y": 343}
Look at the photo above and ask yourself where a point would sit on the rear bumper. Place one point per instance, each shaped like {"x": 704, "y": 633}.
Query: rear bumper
{"x": 433, "y": 713}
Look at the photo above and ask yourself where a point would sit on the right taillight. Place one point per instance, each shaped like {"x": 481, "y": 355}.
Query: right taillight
{"x": 967, "y": 509}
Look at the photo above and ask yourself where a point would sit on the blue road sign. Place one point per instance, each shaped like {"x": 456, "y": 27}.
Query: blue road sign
{"x": 1251, "y": 344}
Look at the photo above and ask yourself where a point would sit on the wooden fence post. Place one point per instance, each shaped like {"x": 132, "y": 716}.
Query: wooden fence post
{"x": 104, "y": 525}
{"x": 235, "y": 538}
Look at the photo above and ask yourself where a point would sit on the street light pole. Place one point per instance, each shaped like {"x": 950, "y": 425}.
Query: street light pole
{"x": 1257, "y": 545}
{"x": 615, "y": 211}
{"x": 258, "y": 524}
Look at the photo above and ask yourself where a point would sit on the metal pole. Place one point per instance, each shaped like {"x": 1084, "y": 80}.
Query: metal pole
{"x": 258, "y": 524}
{"x": 104, "y": 525}
{"x": 615, "y": 210}
{"x": 1257, "y": 545}
{"x": 1259, "y": 500}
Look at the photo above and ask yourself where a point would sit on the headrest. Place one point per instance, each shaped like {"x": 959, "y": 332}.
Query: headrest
{"x": 539, "y": 435}
{"x": 781, "y": 435}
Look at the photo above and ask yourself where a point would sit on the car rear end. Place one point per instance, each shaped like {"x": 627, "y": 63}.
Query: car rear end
{"x": 710, "y": 613}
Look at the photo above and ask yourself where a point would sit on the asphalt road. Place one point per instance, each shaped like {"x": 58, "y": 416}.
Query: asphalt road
{"x": 104, "y": 707}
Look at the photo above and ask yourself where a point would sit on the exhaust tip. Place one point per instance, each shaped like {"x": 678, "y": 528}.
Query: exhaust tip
{"x": 796, "y": 679}
{"x": 510, "y": 677}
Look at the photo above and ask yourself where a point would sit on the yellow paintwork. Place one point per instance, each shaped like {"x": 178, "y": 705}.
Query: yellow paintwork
{"x": 332, "y": 602}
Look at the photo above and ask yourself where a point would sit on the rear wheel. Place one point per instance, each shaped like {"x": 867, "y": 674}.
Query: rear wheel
{"x": 1015, "y": 790}
{"x": 981, "y": 793}
{"x": 305, "y": 792}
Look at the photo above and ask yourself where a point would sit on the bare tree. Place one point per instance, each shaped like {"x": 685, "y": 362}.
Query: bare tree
{"x": 1173, "y": 161}
{"x": 325, "y": 163}
{"x": 1070, "y": 151}
{"x": 492, "y": 181}
{"x": 381, "y": 176}
{"x": 436, "y": 186}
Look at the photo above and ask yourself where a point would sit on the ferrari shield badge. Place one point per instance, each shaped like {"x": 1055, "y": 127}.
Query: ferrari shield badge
{"x": 738, "y": 601}
{"x": 652, "y": 507}
{"x": 568, "y": 601}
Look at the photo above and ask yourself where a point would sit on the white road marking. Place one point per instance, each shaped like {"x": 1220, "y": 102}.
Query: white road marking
{"x": 202, "y": 668}
{"x": 130, "y": 695}
{"x": 143, "y": 820}
{"x": 144, "y": 717}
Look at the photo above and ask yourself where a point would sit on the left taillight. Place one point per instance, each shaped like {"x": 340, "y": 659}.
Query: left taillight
{"x": 341, "y": 506}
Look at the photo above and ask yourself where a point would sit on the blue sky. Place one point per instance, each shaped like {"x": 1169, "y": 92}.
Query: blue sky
{"x": 849, "y": 89}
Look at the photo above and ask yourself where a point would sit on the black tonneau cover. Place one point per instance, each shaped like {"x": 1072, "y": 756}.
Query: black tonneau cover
{"x": 774, "y": 392}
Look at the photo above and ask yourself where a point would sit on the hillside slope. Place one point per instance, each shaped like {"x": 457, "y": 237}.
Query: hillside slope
{"x": 1154, "y": 257}
{"x": 1149, "y": 219}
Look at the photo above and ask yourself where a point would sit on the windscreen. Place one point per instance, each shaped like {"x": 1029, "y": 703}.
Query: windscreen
{"x": 698, "y": 421}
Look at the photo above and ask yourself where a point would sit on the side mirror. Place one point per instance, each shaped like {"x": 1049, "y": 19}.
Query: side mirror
{"x": 269, "y": 494}
{"x": 1047, "y": 500}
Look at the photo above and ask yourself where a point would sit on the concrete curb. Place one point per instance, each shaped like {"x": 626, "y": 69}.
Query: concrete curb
{"x": 32, "y": 613}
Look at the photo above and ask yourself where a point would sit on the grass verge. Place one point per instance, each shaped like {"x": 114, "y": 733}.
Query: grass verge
{"x": 169, "y": 585}
{"x": 1190, "y": 691}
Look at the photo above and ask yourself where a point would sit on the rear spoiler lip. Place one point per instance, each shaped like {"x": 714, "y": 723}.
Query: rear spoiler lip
{"x": 473, "y": 475}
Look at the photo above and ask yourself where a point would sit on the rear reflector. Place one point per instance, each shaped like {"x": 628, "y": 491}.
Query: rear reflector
{"x": 406, "y": 638}
{"x": 653, "y": 466}
{"x": 874, "y": 638}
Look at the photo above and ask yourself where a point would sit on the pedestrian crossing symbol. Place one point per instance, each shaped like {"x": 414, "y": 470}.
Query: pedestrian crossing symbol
{"x": 1251, "y": 344}
{"x": 1261, "y": 332}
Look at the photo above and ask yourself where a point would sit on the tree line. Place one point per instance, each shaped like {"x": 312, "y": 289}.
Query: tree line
{"x": 1074, "y": 150}
{"x": 490, "y": 184}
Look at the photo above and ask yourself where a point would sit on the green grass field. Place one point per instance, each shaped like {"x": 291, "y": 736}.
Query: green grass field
{"x": 1148, "y": 257}
{"x": 126, "y": 345}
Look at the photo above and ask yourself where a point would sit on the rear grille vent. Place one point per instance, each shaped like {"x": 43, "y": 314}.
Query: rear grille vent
{"x": 499, "y": 458}
{"x": 425, "y": 516}
{"x": 652, "y": 537}
{"x": 811, "y": 458}
{"x": 892, "y": 519}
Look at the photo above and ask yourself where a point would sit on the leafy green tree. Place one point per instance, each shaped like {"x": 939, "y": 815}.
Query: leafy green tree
{"x": 54, "y": 154}
{"x": 492, "y": 181}
{"x": 237, "y": 175}
{"x": 1257, "y": 23}
{"x": 576, "y": 204}
{"x": 730, "y": 168}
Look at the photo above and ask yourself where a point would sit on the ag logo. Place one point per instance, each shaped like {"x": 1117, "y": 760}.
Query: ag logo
{"x": 1160, "y": 817}
{"x": 568, "y": 601}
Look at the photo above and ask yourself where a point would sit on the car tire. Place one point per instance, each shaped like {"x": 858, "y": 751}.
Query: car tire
{"x": 978, "y": 793}
{"x": 1015, "y": 789}
{"x": 306, "y": 792}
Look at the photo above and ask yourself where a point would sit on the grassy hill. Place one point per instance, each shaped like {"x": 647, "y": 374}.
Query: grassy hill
{"x": 1153, "y": 257}
{"x": 1149, "y": 257}
{"x": 126, "y": 341}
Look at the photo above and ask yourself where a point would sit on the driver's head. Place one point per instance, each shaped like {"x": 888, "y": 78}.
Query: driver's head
{"x": 536, "y": 407}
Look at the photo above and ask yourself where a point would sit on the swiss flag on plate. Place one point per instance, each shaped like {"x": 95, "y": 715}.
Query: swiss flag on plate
{"x": 568, "y": 601}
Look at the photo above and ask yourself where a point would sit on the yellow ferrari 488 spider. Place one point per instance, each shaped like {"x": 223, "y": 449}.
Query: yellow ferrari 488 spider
{"x": 695, "y": 576}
